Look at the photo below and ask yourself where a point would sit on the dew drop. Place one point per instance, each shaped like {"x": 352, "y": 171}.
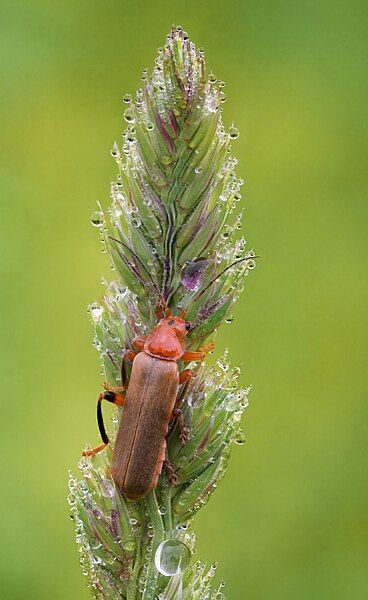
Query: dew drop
{"x": 229, "y": 319}
{"x": 172, "y": 557}
{"x": 198, "y": 170}
{"x": 211, "y": 104}
{"x": 95, "y": 310}
{"x": 240, "y": 439}
{"x": 95, "y": 544}
{"x": 97, "y": 218}
{"x": 72, "y": 499}
{"x": 129, "y": 115}
{"x": 136, "y": 222}
{"x": 129, "y": 546}
{"x": 150, "y": 126}
{"x": 233, "y": 132}
{"x": 127, "y": 98}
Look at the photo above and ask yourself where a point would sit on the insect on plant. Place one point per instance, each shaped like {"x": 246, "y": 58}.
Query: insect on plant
{"x": 150, "y": 400}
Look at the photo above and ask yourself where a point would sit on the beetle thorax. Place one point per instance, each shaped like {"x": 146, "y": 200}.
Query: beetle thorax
{"x": 165, "y": 342}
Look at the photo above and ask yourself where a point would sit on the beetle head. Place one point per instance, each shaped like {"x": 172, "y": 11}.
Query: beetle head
{"x": 179, "y": 326}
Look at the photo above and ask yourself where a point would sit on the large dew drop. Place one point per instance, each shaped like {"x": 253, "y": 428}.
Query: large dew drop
{"x": 172, "y": 557}
{"x": 97, "y": 218}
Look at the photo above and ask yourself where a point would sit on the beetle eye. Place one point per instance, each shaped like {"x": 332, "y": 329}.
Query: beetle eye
{"x": 187, "y": 325}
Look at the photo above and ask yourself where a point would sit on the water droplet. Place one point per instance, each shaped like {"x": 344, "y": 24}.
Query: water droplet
{"x": 162, "y": 510}
{"x": 127, "y": 98}
{"x": 95, "y": 310}
{"x": 114, "y": 150}
{"x": 129, "y": 546}
{"x": 193, "y": 272}
{"x": 240, "y": 439}
{"x": 233, "y": 132}
{"x": 129, "y": 115}
{"x": 133, "y": 521}
{"x": 172, "y": 557}
{"x": 95, "y": 544}
{"x": 150, "y": 126}
{"x": 97, "y": 218}
{"x": 136, "y": 222}
{"x": 229, "y": 319}
{"x": 72, "y": 499}
{"x": 211, "y": 103}
{"x": 198, "y": 170}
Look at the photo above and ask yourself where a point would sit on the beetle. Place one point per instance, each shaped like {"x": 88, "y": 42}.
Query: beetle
{"x": 150, "y": 402}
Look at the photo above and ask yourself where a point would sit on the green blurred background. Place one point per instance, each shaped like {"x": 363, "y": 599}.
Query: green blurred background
{"x": 290, "y": 519}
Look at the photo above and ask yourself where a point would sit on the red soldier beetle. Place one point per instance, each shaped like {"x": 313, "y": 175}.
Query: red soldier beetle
{"x": 150, "y": 401}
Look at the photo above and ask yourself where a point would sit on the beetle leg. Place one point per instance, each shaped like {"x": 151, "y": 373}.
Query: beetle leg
{"x": 111, "y": 388}
{"x": 199, "y": 354}
{"x": 183, "y": 431}
{"x": 128, "y": 356}
{"x": 177, "y": 413}
{"x": 172, "y": 477}
{"x": 162, "y": 309}
{"x": 185, "y": 375}
{"x": 139, "y": 342}
{"x": 117, "y": 399}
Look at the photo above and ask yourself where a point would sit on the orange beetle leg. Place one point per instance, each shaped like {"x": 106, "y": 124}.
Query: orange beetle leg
{"x": 118, "y": 390}
{"x": 199, "y": 354}
{"x": 94, "y": 451}
{"x": 138, "y": 342}
{"x": 162, "y": 309}
{"x": 185, "y": 375}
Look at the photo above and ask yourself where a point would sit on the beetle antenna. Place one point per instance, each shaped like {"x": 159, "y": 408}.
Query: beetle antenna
{"x": 236, "y": 262}
{"x": 139, "y": 260}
